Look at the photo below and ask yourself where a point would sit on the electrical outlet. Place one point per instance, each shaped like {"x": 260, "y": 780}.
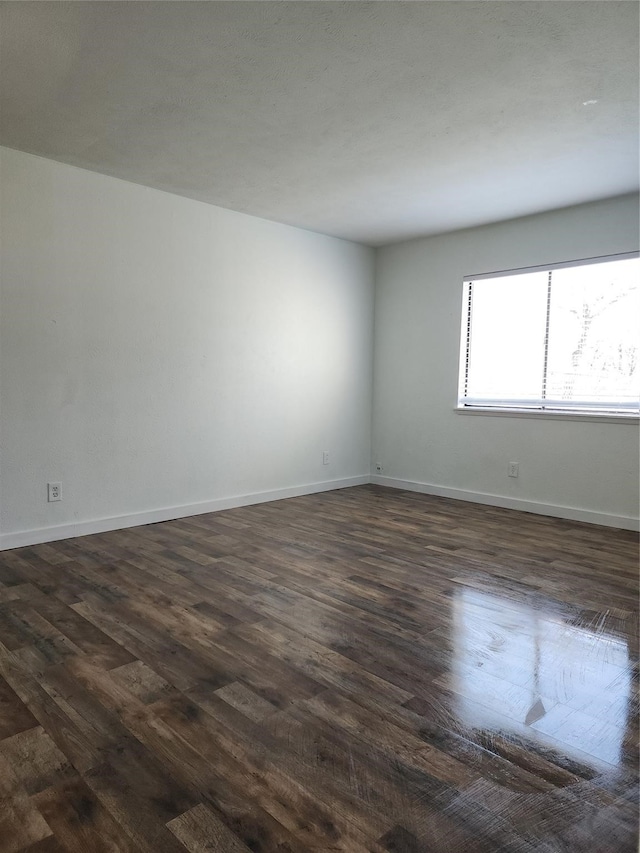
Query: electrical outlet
{"x": 513, "y": 469}
{"x": 379, "y": 467}
{"x": 54, "y": 492}
{"x": 325, "y": 457}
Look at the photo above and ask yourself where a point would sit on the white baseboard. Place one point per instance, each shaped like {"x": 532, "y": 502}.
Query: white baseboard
{"x": 102, "y": 525}
{"x": 571, "y": 513}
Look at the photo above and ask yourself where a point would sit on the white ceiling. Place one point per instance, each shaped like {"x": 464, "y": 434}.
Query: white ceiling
{"x": 373, "y": 121}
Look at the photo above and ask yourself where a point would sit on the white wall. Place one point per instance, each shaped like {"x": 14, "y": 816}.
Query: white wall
{"x": 157, "y": 352}
{"x": 159, "y": 356}
{"x": 589, "y": 469}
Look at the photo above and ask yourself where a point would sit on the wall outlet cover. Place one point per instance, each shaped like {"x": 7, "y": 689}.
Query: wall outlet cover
{"x": 54, "y": 492}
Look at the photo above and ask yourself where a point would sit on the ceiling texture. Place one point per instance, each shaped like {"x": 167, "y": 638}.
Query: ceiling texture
{"x": 372, "y": 121}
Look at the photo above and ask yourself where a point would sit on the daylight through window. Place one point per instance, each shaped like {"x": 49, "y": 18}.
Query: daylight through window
{"x": 563, "y": 338}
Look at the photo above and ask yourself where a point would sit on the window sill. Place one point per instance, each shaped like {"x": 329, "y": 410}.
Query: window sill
{"x": 589, "y": 417}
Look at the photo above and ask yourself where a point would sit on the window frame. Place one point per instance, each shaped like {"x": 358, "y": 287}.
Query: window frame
{"x": 569, "y": 413}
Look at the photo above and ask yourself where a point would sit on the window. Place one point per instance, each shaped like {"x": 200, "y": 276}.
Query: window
{"x": 563, "y": 338}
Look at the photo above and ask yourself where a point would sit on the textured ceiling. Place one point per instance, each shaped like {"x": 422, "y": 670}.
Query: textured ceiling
{"x": 374, "y": 121}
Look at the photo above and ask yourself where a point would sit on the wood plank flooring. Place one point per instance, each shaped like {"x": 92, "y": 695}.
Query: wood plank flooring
{"x": 359, "y": 670}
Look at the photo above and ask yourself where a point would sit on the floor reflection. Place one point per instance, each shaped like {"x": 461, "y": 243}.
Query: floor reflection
{"x": 518, "y": 669}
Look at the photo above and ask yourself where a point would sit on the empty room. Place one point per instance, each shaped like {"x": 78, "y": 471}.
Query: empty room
{"x": 319, "y": 426}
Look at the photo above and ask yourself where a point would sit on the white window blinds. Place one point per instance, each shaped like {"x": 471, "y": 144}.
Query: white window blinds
{"x": 560, "y": 338}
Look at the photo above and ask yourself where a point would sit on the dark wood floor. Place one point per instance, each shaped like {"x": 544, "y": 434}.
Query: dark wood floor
{"x": 361, "y": 670}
